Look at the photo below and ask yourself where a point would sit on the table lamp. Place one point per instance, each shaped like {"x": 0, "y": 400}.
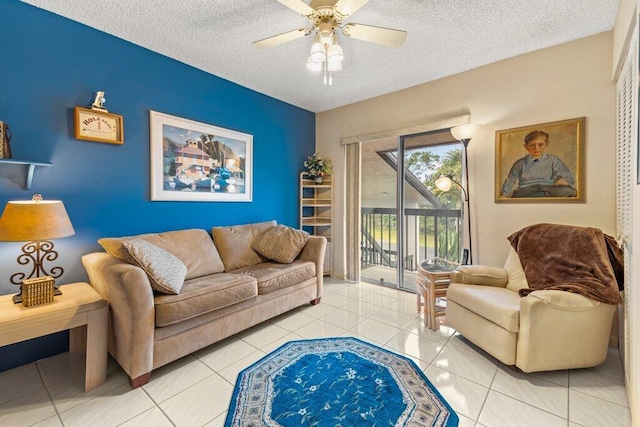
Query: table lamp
{"x": 35, "y": 221}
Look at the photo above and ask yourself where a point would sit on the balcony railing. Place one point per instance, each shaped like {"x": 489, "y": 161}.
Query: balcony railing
{"x": 428, "y": 233}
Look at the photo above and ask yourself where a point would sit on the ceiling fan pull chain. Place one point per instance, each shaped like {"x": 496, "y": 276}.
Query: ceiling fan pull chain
{"x": 325, "y": 72}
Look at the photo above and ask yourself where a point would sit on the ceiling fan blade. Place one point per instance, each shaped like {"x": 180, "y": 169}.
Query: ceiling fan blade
{"x": 281, "y": 38}
{"x": 349, "y": 7}
{"x": 379, "y": 35}
{"x": 299, "y": 6}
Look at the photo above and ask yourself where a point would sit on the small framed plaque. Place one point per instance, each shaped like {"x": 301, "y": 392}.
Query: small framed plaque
{"x": 98, "y": 126}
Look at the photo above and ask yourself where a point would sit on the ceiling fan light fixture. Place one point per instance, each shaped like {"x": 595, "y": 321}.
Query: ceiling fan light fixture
{"x": 335, "y": 54}
{"x": 325, "y": 32}
{"x": 334, "y": 66}
{"x": 314, "y": 66}
{"x": 317, "y": 53}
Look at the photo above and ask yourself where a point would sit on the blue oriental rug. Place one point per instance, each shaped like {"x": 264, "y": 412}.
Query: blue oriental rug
{"x": 336, "y": 382}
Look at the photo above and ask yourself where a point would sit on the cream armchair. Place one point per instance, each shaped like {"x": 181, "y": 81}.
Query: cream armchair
{"x": 544, "y": 331}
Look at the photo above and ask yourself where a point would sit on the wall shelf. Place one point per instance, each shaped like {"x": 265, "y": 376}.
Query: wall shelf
{"x": 31, "y": 166}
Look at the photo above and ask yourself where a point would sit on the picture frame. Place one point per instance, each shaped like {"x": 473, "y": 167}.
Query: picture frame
{"x": 198, "y": 162}
{"x": 551, "y": 173}
{"x": 98, "y": 126}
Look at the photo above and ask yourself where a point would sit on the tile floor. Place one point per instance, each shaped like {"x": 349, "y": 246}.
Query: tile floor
{"x": 196, "y": 390}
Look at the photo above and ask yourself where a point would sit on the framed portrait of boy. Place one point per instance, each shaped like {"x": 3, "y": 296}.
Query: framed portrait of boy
{"x": 541, "y": 163}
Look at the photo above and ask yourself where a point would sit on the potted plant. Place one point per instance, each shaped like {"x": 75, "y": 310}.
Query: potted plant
{"x": 318, "y": 168}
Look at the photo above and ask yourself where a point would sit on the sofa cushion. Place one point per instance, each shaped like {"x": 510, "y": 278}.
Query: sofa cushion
{"x": 203, "y": 295}
{"x": 281, "y": 243}
{"x": 165, "y": 271}
{"x": 498, "y": 305}
{"x": 193, "y": 247}
{"x": 272, "y": 275}
{"x": 235, "y": 243}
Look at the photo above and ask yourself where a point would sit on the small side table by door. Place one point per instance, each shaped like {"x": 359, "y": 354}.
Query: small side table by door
{"x": 433, "y": 281}
{"x": 79, "y": 309}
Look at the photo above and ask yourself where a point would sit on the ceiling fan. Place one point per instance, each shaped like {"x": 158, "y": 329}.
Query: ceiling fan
{"x": 326, "y": 16}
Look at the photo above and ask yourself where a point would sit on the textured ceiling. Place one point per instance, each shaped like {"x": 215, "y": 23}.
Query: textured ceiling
{"x": 445, "y": 37}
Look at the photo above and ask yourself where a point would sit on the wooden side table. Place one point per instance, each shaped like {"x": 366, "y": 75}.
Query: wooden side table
{"x": 433, "y": 281}
{"x": 79, "y": 309}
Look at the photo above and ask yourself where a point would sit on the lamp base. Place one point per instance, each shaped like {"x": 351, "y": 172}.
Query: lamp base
{"x": 17, "y": 298}
{"x": 38, "y": 285}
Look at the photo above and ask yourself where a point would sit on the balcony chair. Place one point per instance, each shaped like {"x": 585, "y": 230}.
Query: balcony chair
{"x": 552, "y": 304}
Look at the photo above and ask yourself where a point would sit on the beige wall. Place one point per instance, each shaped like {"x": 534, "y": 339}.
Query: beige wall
{"x": 625, "y": 21}
{"x": 561, "y": 82}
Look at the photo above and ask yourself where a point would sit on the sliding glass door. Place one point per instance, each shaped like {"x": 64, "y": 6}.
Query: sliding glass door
{"x": 379, "y": 207}
{"x": 404, "y": 218}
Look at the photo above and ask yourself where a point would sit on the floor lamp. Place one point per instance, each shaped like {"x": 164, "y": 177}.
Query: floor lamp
{"x": 462, "y": 133}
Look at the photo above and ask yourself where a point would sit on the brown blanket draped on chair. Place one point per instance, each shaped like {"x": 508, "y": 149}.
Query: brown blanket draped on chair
{"x": 567, "y": 258}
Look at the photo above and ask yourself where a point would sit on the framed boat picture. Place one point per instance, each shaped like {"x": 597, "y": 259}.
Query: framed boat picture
{"x": 198, "y": 162}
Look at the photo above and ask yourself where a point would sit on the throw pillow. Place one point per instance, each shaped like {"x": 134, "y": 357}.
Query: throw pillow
{"x": 281, "y": 243}
{"x": 165, "y": 271}
{"x": 234, "y": 244}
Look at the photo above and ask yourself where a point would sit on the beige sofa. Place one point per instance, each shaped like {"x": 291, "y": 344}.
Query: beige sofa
{"x": 543, "y": 331}
{"x": 228, "y": 287}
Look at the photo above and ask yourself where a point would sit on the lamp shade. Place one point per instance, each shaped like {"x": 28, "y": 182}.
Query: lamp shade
{"x": 24, "y": 221}
{"x": 443, "y": 183}
{"x": 334, "y": 54}
{"x": 334, "y": 66}
{"x": 317, "y": 53}
{"x": 464, "y": 132}
{"x": 314, "y": 66}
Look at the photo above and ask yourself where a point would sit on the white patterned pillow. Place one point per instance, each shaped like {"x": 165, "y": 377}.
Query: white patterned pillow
{"x": 165, "y": 271}
{"x": 281, "y": 243}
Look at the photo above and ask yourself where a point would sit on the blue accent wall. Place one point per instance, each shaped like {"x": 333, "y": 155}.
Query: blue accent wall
{"x": 49, "y": 65}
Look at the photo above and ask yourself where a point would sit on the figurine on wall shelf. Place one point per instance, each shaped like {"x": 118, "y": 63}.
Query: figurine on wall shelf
{"x": 98, "y": 102}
